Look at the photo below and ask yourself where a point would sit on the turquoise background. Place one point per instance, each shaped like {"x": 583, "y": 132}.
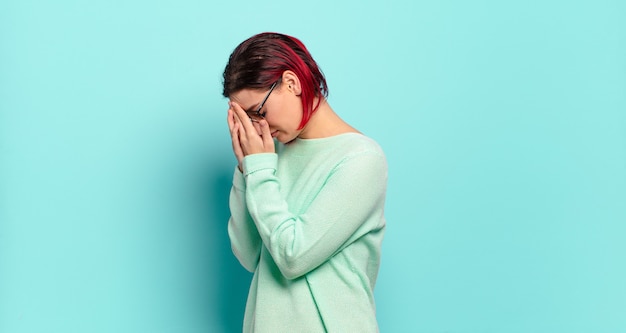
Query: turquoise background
{"x": 504, "y": 123}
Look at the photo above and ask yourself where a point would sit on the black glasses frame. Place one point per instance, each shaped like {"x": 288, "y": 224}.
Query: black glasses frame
{"x": 257, "y": 115}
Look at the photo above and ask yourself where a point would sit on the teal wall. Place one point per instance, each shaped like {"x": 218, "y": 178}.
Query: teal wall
{"x": 504, "y": 123}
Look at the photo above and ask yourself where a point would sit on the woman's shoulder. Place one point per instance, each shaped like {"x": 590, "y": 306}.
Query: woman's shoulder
{"x": 352, "y": 139}
{"x": 356, "y": 151}
{"x": 357, "y": 142}
{"x": 336, "y": 147}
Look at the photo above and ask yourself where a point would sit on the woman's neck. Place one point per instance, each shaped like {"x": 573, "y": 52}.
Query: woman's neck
{"x": 325, "y": 123}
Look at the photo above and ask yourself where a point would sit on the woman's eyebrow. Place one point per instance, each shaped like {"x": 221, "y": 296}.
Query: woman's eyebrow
{"x": 252, "y": 108}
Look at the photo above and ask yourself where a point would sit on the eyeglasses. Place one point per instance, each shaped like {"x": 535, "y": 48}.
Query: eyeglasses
{"x": 257, "y": 115}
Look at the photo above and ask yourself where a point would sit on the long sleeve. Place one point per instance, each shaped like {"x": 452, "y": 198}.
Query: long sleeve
{"x": 244, "y": 237}
{"x": 339, "y": 213}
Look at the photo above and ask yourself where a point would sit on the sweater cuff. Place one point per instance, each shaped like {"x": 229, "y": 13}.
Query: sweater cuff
{"x": 256, "y": 162}
{"x": 238, "y": 181}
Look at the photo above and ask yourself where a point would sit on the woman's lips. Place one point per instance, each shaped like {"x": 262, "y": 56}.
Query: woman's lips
{"x": 274, "y": 134}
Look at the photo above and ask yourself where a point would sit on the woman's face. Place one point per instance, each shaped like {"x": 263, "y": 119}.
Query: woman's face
{"x": 282, "y": 109}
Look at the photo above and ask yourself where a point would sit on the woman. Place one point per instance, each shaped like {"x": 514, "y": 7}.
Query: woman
{"x": 307, "y": 197}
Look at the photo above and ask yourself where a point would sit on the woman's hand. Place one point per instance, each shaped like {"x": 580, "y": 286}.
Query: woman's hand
{"x": 248, "y": 137}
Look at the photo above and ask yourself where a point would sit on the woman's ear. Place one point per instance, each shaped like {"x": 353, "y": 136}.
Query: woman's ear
{"x": 291, "y": 82}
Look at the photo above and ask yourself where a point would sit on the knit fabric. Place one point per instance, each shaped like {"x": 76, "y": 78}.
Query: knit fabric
{"x": 308, "y": 221}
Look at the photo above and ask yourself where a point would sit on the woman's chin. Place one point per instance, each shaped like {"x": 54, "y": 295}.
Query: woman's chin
{"x": 285, "y": 139}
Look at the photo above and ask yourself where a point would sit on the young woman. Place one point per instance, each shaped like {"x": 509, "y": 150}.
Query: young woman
{"x": 307, "y": 198}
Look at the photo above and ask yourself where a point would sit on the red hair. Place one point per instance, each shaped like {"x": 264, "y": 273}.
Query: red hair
{"x": 262, "y": 59}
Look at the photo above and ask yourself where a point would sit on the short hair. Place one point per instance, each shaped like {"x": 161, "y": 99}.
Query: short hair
{"x": 260, "y": 60}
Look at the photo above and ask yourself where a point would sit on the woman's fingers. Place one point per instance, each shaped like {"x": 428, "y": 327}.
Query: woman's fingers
{"x": 239, "y": 121}
{"x": 230, "y": 119}
{"x": 233, "y": 127}
{"x": 236, "y": 145}
{"x": 257, "y": 127}
{"x": 251, "y": 137}
{"x": 266, "y": 135}
{"x": 244, "y": 120}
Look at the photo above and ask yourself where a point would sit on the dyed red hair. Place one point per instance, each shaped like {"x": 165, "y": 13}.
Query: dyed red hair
{"x": 260, "y": 61}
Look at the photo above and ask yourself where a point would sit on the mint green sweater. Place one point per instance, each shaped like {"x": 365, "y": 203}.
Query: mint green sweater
{"x": 308, "y": 221}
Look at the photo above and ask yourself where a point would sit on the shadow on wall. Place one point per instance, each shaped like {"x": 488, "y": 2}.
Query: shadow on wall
{"x": 233, "y": 281}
